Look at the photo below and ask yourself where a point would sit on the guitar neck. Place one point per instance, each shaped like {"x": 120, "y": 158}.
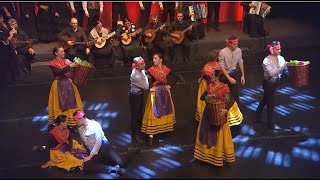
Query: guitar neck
{"x": 188, "y": 27}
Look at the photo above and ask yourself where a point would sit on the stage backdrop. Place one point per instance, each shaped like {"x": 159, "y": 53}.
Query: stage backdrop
{"x": 229, "y": 11}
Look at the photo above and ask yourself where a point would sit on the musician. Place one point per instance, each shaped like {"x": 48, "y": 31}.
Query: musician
{"x": 198, "y": 31}
{"x": 179, "y": 25}
{"x": 118, "y": 8}
{"x": 273, "y": 66}
{"x": 145, "y": 8}
{"x": 213, "y": 6}
{"x": 214, "y": 143}
{"x": 135, "y": 48}
{"x": 77, "y": 11}
{"x": 76, "y": 32}
{"x": 158, "y": 44}
{"x": 92, "y": 10}
{"x": 25, "y": 52}
{"x": 101, "y": 54}
{"x": 255, "y": 23}
{"x": 168, "y": 8}
{"x": 8, "y": 56}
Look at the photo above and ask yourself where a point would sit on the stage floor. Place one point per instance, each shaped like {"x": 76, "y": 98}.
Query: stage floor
{"x": 293, "y": 152}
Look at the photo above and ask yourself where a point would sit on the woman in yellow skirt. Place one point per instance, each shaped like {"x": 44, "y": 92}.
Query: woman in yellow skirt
{"x": 64, "y": 98}
{"x": 214, "y": 141}
{"x": 159, "y": 115}
{"x": 65, "y": 153}
{"x": 206, "y": 74}
{"x": 235, "y": 116}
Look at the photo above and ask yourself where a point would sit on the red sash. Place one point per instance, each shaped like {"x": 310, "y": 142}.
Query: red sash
{"x": 160, "y": 74}
{"x": 61, "y": 64}
{"x": 60, "y": 136}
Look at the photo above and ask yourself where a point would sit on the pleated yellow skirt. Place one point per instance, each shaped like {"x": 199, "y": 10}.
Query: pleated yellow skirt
{"x": 152, "y": 125}
{"x": 215, "y": 155}
{"x": 53, "y": 105}
{"x": 66, "y": 160}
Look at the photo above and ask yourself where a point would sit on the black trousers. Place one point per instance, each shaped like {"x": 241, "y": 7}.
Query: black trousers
{"x": 185, "y": 45}
{"x": 77, "y": 51}
{"x": 79, "y": 13}
{"x": 93, "y": 18}
{"x": 256, "y": 25}
{"x": 213, "y": 6}
{"x": 168, "y": 8}
{"x": 234, "y": 88}
{"x": 107, "y": 156}
{"x": 136, "y": 109}
{"x": 269, "y": 90}
{"x": 118, "y": 8}
{"x": 144, "y": 15}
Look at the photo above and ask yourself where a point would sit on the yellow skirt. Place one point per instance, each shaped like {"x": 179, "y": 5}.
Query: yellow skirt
{"x": 201, "y": 104}
{"x": 224, "y": 149}
{"x": 235, "y": 116}
{"x": 66, "y": 161}
{"x": 53, "y": 105}
{"x": 152, "y": 125}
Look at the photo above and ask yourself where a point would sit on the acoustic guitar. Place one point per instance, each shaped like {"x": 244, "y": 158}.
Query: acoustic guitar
{"x": 66, "y": 46}
{"x": 181, "y": 33}
{"x": 129, "y": 36}
{"x": 101, "y": 41}
{"x": 153, "y": 33}
{"x": 15, "y": 42}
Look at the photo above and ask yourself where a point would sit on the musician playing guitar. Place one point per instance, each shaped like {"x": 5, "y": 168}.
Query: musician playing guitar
{"x": 131, "y": 42}
{"x": 101, "y": 51}
{"x": 153, "y": 37}
{"x": 75, "y": 41}
{"x": 25, "y": 52}
{"x": 174, "y": 30}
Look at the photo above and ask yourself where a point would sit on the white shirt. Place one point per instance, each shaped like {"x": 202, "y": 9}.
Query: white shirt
{"x": 229, "y": 59}
{"x": 139, "y": 81}
{"x": 269, "y": 68}
{"x": 92, "y": 136}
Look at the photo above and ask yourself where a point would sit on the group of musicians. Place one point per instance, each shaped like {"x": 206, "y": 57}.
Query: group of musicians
{"x": 129, "y": 40}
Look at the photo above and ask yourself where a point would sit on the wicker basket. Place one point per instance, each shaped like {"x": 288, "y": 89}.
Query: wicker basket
{"x": 214, "y": 111}
{"x": 299, "y": 74}
{"x": 81, "y": 74}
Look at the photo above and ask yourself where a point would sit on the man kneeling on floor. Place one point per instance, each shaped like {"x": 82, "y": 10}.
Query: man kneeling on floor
{"x": 101, "y": 151}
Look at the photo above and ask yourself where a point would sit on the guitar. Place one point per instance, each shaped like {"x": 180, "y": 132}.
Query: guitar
{"x": 101, "y": 41}
{"x": 181, "y": 33}
{"x": 16, "y": 42}
{"x": 153, "y": 33}
{"x": 66, "y": 46}
{"x": 129, "y": 36}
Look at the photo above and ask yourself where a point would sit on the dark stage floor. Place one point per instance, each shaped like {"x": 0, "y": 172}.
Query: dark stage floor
{"x": 293, "y": 152}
